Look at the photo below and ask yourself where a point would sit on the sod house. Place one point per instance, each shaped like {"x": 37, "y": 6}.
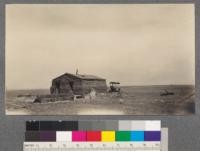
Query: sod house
{"x": 76, "y": 84}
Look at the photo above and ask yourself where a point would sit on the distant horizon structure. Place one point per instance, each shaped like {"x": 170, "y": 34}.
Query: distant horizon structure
{"x": 76, "y": 84}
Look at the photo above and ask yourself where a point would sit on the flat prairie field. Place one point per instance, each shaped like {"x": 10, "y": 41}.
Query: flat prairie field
{"x": 133, "y": 100}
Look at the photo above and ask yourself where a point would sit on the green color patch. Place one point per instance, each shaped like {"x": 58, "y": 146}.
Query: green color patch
{"x": 122, "y": 135}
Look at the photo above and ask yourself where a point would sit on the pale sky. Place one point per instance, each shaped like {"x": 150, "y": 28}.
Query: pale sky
{"x": 135, "y": 44}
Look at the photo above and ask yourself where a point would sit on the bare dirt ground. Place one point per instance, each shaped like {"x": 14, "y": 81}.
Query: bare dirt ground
{"x": 134, "y": 100}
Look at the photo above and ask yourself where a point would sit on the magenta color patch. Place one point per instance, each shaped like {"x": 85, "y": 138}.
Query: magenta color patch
{"x": 78, "y": 136}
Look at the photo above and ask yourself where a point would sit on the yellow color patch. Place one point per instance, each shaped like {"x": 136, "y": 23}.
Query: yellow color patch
{"x": 108, "y": 136}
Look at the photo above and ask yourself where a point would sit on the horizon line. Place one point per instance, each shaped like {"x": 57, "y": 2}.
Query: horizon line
{"x": 108, "y": 86}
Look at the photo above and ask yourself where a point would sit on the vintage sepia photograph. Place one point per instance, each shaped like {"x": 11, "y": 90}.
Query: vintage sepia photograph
{"x": 100, "y": 59}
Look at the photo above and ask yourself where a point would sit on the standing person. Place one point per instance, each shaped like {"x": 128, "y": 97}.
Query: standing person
{"x": 92, "y": 94}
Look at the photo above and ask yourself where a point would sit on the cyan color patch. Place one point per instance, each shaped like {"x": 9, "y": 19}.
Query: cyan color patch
{"x": 137, "y": 136}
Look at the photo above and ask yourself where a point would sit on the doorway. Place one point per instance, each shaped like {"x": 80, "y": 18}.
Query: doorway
{"x": 71, "y": 83}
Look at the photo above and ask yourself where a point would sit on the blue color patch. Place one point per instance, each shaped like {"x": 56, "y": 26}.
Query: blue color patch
{"x": 137, "y": 136}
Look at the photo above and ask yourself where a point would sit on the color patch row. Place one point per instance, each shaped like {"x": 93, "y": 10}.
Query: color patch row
{"x": 96, "y": 136}
{"x": 124, "y": 125}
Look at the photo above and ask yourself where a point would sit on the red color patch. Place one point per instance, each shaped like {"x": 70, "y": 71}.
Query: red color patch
{"x": 94, "y": 136}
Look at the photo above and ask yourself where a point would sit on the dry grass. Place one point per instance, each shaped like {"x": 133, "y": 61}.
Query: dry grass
{"x": 132, "y": 101}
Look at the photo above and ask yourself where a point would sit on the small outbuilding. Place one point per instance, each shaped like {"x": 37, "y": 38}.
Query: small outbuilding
{"x": 76, "y": 84}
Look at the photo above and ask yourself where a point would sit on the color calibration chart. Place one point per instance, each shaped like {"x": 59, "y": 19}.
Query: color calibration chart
{"x": 109, "y": 135}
